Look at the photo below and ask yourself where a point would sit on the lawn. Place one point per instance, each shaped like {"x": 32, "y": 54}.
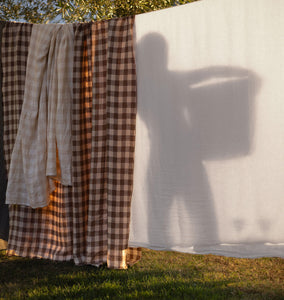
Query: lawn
{"x": 159, "y": 275}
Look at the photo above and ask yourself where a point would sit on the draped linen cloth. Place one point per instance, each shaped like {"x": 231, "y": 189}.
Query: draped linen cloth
{"x": 59, "y": 148}
{"x": 4, "y": 212}
{"x": 44, "y": 132}
{"x": 209, "y": 168}
{"x": 89, "y": 222}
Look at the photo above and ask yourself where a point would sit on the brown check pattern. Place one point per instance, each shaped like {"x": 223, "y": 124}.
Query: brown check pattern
{"x": 46, "y": 232}
{"x": 104, "y": 116}
{"x": 15, "y": 46}
{"x": 89, "y": 222}
{"x": 4, "y": 212}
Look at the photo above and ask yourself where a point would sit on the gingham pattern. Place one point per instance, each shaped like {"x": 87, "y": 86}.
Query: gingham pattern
{"x": 15, "y": 45}
{"x": 45, "y": 232}
{"x": 121, "y": 118}
{"x": 90, "y": 221}
{"x": 133, "y": 255}
{"x": 81, "y": 139}
{"x": 4, "y": 212}
{"x": 104, "y": 112}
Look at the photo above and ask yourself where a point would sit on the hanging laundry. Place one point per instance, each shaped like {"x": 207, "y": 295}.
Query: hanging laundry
{"x": 4, "y": 212}
{"x": 104, "y": 118}
{"x": 14, "y": 53}
{"x": 15, "y": 46}
{"x": 89, "y": 221}
{"x": 44, "y": 133}
{"x": 209, "y": 143}
{"x": 209, "y": 167}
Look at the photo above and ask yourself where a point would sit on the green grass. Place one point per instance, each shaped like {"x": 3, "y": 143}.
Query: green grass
{"x": 159, "y": 275}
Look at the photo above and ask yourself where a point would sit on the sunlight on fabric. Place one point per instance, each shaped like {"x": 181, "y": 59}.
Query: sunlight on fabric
{"x": 213, "y": 81}
{"x": 209, "y": 155}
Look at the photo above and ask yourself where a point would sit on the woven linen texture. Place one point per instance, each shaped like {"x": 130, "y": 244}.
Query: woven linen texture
{"x": 45, "y": 124}
{"x": 89, "y": 222}
{"x": 46, "y": 232}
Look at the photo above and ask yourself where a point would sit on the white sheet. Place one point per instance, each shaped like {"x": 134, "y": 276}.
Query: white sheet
{"x": 209, "y": 166}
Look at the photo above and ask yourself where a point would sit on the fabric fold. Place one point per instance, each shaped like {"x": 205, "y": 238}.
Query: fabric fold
{"x": 45, "y": 121}
{"x": 59, "y": 81}
{"x": 88, "y": 221}
{"x": 104, "y": 116}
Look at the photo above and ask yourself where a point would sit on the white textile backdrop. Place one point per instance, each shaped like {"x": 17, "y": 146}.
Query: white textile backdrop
{"x": 209, "y": 164}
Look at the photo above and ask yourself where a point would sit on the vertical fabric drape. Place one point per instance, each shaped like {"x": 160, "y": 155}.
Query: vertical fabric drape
{"x": 14, "y": 52}
{"x": 88, "y": 222}
{"x": 33, "y": 232}
{"x": 4, "y": 212}
{"x": 209, "y": 168}
{"x": 104, "y": 114}
{"x": 15, "y": 46}
{"x": 44, "y": 133}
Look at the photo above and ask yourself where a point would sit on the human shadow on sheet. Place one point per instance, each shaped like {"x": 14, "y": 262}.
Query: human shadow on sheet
{"x": 191, "y": 117}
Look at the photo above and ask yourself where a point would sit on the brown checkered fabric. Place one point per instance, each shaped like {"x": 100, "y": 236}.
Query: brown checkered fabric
{"x": 14, "y": 53}
{"x": 46, "y": 232}
{"x": 15, "y": 46}
{"x": 104, "y": 114}
{"x": 4, "y": 212}
{"x": 89, "y": 222}
{"x": 133, "y": 255}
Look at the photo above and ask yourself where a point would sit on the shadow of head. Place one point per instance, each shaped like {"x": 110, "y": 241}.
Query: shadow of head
{"x": 154, "y": 48}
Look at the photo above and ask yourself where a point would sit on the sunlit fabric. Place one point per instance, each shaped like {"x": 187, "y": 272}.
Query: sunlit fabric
{"x": 42, "y": 150}
{"x": 87, "y": 222}
{"x": 209, "y": 167}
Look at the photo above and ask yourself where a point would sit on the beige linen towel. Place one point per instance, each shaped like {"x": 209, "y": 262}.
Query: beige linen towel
{"x": 43, "y": 143}
{"x": 59, "y": 83}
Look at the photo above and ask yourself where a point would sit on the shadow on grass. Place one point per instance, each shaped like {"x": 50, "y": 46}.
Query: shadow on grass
{"x": 24, "y": 278}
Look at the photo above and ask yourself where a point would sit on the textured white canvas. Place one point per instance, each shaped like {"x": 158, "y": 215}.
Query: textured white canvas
{"x": 209, "y": 164}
